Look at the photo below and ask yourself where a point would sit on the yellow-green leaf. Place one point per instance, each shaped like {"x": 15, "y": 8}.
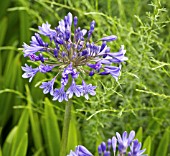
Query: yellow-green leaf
{"x": 22, "y": 147}
{"x": 22, "y": 128}
{"x": 164, "y": 143}
{"x": 52, "y": 129}
{"x": 139, "y": 134}
{"x": 147, "y": 145}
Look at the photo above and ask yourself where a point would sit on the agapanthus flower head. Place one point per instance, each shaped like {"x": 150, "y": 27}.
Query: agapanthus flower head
{"x": 73, "y": 55}
{"x": 124, "y": 141}
{"x": 117, "y": 146}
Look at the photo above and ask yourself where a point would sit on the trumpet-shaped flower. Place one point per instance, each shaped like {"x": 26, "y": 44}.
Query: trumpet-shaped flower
{"x": 88, "y": 89}
{"x": 74, "y": 89}
{"x": 48, "y": 86}
{"x": 60, "y": 94}
{"x": 124, "y": 141}
{"x": 135, "y": 149}
{"x": 29, "y": 72}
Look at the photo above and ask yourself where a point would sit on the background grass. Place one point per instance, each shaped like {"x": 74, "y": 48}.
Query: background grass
{"x": 30, "y": 123}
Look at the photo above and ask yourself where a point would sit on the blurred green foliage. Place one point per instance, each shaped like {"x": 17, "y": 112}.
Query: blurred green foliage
{"x": 30, "y": 123}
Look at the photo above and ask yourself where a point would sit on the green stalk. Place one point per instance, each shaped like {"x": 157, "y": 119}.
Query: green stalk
{"x": 67, "y": 117}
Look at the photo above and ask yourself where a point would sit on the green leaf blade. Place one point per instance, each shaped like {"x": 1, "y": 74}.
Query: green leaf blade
{"x": 52, "y": 129}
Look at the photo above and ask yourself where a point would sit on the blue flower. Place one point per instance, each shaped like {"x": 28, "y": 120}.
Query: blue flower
{"x": 34, "y": 57}
{"x": 73, "y": 55}
{"x": 114, "y": 71}
{"x": 102, "y": 148}
{"x": 119, "y": 56}
{"x": 135, "y": 149}
{"x": 80, "y": 151}
{"x": 45, "y": 68}
{"x": 46, "y": 30}
{"x": 29, "y": 72}
{"x": 74, "y": 89}
{"x": 124, "y": 141}
{"x": 60, "y": 94}
{"x": 68, "y": 71}
{"x": 88, "y": 89}
{"x": 48, "y": 86}
{"x": 97, "y": 66}
{"x": 29, "y": 50}
{"x": 64, "y": 29}
{"x": 36, "y": 45}
{"x": 37, "y": 41}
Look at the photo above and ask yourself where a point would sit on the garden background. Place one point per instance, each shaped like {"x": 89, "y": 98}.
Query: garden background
{"x": 31, "y": 123}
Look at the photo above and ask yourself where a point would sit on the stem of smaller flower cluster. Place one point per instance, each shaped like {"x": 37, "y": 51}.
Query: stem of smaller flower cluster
{"x": 67, "y": 117}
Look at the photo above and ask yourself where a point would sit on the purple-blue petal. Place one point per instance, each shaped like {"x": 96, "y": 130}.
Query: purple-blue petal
{"x": 114, "y": 143}
{"x": 29, "y": 72}
{"x": 131, "y": 137}
{"x": 109, "y": 38}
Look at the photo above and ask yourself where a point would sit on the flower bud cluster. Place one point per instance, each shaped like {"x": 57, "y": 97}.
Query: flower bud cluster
{"x": 117, "y": 146}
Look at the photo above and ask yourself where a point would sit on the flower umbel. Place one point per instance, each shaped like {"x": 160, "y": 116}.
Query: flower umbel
{"x": 127, "y": 146}
{"x": 73, "y": 56}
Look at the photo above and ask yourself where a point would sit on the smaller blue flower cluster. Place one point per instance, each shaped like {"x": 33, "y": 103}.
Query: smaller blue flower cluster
{"x": 73, "y": 55}
{"x": 110, "y": 148}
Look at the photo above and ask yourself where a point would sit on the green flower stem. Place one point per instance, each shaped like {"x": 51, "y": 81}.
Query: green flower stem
{"x": 67, "y": 117}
